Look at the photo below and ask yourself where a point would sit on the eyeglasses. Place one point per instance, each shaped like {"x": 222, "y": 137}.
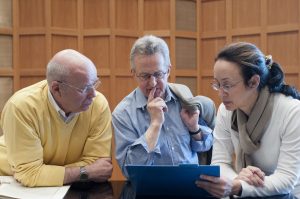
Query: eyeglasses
{"x": 84, "y": 90}
{"x": 147, "y": 76}
{"x": 226, "y": 87}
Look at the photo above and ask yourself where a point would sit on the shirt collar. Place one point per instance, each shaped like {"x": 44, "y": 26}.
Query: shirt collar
{"x": 61, "y": 113}
{"x": 141, "y": 100}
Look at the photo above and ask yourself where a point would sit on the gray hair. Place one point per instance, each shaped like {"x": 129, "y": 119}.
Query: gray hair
{"x": 149, "y": 45}
{"x": 56, "y": 72}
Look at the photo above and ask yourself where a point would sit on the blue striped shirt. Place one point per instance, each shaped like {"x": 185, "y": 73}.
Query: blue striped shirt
{"x": 175, "y": 146}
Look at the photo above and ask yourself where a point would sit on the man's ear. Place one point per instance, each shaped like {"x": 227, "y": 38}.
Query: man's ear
{"x": 169, "y": 70}
{"x": 254, "y": 81}
{"x": 54, "y": 88}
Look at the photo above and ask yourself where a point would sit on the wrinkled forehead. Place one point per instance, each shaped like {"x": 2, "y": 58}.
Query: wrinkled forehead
{"x": 77, "y": 64}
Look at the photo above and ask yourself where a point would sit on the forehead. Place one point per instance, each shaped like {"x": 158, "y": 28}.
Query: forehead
{"x": 149, "y": 63}
{"x": 82, "y": 75}
{"x": 225, "y": 70}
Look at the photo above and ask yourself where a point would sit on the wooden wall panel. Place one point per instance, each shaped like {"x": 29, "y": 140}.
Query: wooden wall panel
{"x": 96, "y": 14}
{"x": 6, "y": 90}
{"x": 122, "y": 48}
{"x": 6, "y": 51}
{"x": 278, "y": 44}
{"x": 209, "y": 49}
{"x": 186, "y": 53}
{"x": 32, "y": 51}
{"x": 125, "y": 86}
{"x": 186, "y": 15}
{"x": 292, "y": 79}
{"x": 105, "y": 87}
{"x": 60, "y": 42}
{"x": 213, "y": 15}
{"x": 64, "y": 13}
{"x": 242, "y": 20}
{"x": 255, "y": 39}
{"x": 32, "y": 13}
{"x": 29, "y": 80}
{"x": 282, "y": 12}
{"x": 191, "y": 82}
{"x": 156, "y": 14}
{"x": 127, "y": 14}
{"x": 5, "y": 13}
{"x": 97, "y": 49}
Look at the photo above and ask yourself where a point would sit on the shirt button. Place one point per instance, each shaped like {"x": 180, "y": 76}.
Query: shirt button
{"x": 173, "y": 148}
{"x": 167, "y": 128}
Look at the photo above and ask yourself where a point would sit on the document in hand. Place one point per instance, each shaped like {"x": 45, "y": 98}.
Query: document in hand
{"x": 169, "y": 180}
{"x": 10, "y": 188}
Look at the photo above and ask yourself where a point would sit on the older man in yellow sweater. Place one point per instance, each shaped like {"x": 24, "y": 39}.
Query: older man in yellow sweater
{"x": 58, "y": 131}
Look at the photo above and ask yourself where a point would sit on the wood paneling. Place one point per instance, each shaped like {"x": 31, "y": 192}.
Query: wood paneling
{"x": 64, "y": 13}
{"x": 156, "y": 14}
{"x": 96, "y": 14}
{"x": 186, "y": 53}
{"x": 97, "y": 49}
{"x": 6, "y": 90}
{"x": 32, "y": 13}
{"x": 5, "y": 13}
{"x": 32, "y": 53}
{"x": 186, "y": 15}
{"x": 6, "y": 51}
{"x": 127, "y": 14}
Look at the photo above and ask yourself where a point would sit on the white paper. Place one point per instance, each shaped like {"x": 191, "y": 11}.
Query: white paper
{"x": 9, "y": 187}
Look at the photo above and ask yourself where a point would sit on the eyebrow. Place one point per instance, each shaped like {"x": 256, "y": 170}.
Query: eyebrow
{"x": 224, "y": 79}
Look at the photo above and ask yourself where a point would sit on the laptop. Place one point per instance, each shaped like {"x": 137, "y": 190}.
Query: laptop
{"x": 165, "y": 180}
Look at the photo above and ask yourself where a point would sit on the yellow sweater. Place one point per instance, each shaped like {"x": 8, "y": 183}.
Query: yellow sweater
{"x": 37, "y": 145}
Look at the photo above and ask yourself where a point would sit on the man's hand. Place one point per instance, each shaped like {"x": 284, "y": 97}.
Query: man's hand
{"x": 190, "y": 119}
{"x": 156, "y": 107}
{"x": 100, "y": 170}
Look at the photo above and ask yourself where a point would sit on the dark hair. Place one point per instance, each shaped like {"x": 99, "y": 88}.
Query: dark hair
{"x": 252, "y": 61}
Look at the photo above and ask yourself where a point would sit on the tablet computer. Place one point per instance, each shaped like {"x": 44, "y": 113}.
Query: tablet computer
{"x": 166, "y": 180}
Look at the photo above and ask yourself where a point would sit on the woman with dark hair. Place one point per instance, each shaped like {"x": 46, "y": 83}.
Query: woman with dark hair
{"x": 257, "y": 132}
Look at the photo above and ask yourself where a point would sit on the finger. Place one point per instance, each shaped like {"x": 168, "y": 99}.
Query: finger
{"x": 258, "y": 181}
{"x": 214, "y": 189}
{"x": 260, "y": 174}
{"x": 151, "y": 94}
{"x": 257, "y": 171}
{"x": 210, "y": 178}
{"x": 165, "y": 108}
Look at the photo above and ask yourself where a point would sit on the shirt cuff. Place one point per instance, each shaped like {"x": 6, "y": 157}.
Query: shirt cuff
{"x": 206, "y": 132}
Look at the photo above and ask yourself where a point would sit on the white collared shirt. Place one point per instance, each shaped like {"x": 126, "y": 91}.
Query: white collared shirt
{"x": 66, "y": 118}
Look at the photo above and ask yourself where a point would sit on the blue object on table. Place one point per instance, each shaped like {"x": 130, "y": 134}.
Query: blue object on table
{"x": 166, "y": 180}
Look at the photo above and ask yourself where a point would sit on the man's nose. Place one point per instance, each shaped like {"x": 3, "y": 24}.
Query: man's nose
{"x": 91, "y": 92}
{"x": 152, "y": 80}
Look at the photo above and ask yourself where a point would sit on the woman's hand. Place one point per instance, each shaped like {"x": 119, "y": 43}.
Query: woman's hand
{"x": 252, "y": 175}
{"x": 219, "y": 187}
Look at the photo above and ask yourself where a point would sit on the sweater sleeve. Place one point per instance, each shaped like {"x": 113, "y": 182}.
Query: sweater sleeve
{"x": 287, "y": 171}
{"x": 25, "y": 151}
{"x": 223, "y": 148}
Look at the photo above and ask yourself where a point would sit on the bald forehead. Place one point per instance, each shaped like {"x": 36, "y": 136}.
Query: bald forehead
{"x": 72, "y": 58}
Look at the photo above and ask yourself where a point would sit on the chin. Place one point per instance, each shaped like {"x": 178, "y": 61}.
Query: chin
{"x": 85, "y": 107}
{"x": 229, "y": 106}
